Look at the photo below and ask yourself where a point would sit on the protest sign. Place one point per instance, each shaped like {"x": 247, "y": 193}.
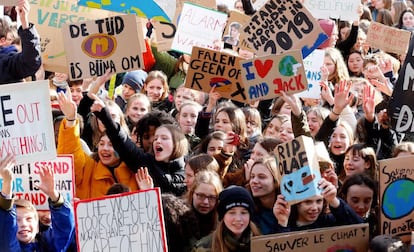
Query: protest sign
{"x": 198, "y": 26}
{"x": 396, "y": 194}
{"x": 234, "y": 25}
{"x": 27, "y": 174}
{"x": 313, "y": 63}
{"x": 265, "y": 77}
{"x": 335, "y": 9}
{"x": 401, "y": 105}
{"x": 96, "y": 46}
{"x": 8, "y": 2}
{"x": 299, "y": 168}
{"x": 122, "y": 222}
{"x": 155, "y": 9}
{"x": 165, "y": 31}
{"x": 341, "y": 238}
{"x": 282, "y": 26}
{"x": 388, "y": 39}
{"x": 210, "y": 68}
{"x": 48, "y": 17}
{"x": 26, "y": 128}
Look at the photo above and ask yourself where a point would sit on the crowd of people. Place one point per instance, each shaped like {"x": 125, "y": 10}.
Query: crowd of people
{"x": 212, "y": 158}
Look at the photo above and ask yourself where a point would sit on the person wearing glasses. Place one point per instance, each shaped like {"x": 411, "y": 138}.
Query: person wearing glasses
{"x": 202, "y": 198}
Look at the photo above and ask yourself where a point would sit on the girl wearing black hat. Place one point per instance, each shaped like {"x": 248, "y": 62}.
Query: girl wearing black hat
{"x": 235, "y": 227}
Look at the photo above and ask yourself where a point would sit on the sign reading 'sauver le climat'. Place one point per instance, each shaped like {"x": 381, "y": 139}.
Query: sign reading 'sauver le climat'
{"x": 96, "y": 46}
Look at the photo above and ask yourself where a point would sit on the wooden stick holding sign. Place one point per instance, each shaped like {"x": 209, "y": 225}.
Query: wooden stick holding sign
{"x": 396, "y": 193}
{"x": 210, "y": 68}
{"x": 280, "y": 26}
{"x": 265, "y": 77}
{"x": 96, "y": 46}
{"x": 121, "y": 222}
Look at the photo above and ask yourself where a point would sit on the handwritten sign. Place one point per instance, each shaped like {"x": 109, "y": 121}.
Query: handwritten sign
{"x": 299, "y": 169}
{"x": 96, "y": 46}
{"x": 26, "y": 128}
{"x": 122, "y": 222}
{"x": 336, "y": 9}
{"x": 313, "y": 63}
{"x": 26, "y": 175}
{"x": 146, "y": 8}
{"x": 401, "y": 105}
{"x": 396, "y": 187}
{"x": 48, "y": 17}
{"x": 340, "y": 238}
{"x": 198, "y": 26}
{"x": 210, "y": 68}
{"x": 279, "y": 27}
{"x": 388, "y": 39}
{"x": 265, "y": 77}
{"x": 165, "y": 31}
{"x": 8, "y": 2}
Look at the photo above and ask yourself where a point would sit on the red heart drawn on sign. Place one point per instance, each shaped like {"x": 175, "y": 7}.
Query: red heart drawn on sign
{"x": 263, "y": 69}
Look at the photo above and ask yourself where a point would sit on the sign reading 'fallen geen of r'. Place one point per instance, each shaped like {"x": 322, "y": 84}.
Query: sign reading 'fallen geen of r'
{"x": 96, "y": 46}
{"x": 265, "y": 77}
{"x": 342, "y": 238}
{"x": 210, "y": 68}
{"x": 396, "y": 193}
{"x": 282, "y": 25}
{"x": 388, "y": 39}
{"x": 122, "y": 222}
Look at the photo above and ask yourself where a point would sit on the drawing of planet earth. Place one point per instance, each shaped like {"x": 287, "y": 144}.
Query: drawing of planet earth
{"x": 398, "y": 199}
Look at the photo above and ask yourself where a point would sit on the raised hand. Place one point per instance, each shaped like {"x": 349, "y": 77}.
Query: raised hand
{"x": 67, "y": 105}
{"x": 329, "y": 192}
{"x": 6, "y": 173}
{"x": 47, "y": 182}
{"x": 281, "y": 210}
{"x": 368, "y": 103}
{"x": 98, "y": 104}
{"x": 144, "y": 180}
{"x": 293, "y": 102}
{"x": 342, "y": 96}
{"x": 23, "y": 9}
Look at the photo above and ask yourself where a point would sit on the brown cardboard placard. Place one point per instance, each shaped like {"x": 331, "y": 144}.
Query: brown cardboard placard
{"x": 210, "y": 68}
{"x": 387, "y": 38}
{"x": 8, "y": 2}
{"x": 340, "y": 238}
{"x": 264, "y": 77}
{"x": 237, "y": 20}
{"x": 110, "y": 43}
{"x": 299, "y": 169}
{"x": 396, "y": 194}
{"x": 48, "y": 17}
{"x": 280, "y": 26}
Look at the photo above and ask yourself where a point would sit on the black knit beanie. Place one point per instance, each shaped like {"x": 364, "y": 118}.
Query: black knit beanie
{"x": 234, "y": 196}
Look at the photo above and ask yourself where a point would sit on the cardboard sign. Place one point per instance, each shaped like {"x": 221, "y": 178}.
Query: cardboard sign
{"x": 48, "y": 17}
{"x": 210, "y": 68}
{"x": 198, "y": 26}
{"x": 388, "y": 39}
{"x": 235, "y": 24}
{"x": 396, "y": 194}
{"x": 313, "y": 63}
{"x": 147, "y": 8}
{"x": 299, "y": 169}
{"x": 341, "y": 238}
{"x": 337, "y": 9}
{"x": 279, "y": 27}
{"x": 401, "y": 105}
{"x": 96, "y": 46}
{"x": 121, "y": 222}
{"x": 265, "y": 77}
{"x": 26, "y": 175}
{"x": 8, "y": 2}
{"x": 26, "y": 127}
{"x": 165, "y": 31}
